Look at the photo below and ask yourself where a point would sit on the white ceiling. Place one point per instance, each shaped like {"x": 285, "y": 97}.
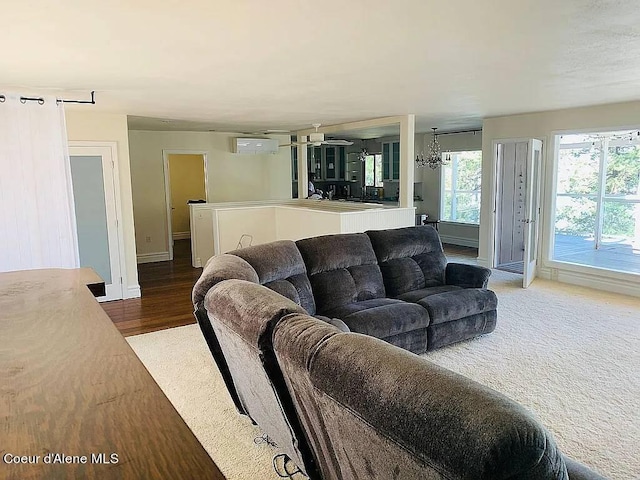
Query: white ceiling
{"x": 247, "y": 65}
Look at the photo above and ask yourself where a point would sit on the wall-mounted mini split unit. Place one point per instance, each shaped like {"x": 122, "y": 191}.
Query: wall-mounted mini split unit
{"x": 255, "y": 146}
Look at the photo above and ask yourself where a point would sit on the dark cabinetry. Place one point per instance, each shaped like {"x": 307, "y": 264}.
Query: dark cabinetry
{"x": 391, "y": 161}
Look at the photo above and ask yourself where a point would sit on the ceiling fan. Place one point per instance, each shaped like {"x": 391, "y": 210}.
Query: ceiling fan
{"x": 317, "y": 138}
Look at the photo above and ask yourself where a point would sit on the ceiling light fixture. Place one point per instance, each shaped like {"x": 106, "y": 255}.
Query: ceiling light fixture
{"x": 434, "y": 158}
{"x": 363, "y": 153}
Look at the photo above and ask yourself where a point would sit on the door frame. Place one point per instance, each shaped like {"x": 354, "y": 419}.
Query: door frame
{"x": 491, "y": 261}
{"x": 99, "y": 148}
{"x": 167, "y": 187}
{"x": 533, "y": 211}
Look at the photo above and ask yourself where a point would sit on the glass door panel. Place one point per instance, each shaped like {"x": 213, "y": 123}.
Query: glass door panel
{"x": 91, "y": 214}
{"x": 93, "y": 184}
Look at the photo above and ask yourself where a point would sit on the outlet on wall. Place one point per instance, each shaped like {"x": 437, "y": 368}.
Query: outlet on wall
{"x": 148, "y": 239}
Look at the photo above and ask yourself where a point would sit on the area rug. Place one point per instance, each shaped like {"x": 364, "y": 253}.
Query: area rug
{"x": 569, "y": 354}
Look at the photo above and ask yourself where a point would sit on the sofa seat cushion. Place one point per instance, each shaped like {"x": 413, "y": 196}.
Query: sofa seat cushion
{"x": 457, "y": 304}
{"x": 416, "y": 295}
{"x": 381, "y": 317}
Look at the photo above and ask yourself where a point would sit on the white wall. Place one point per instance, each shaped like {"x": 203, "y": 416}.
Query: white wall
{"x": 545, "y": 125}
{"x": 455, "y": 233}
{"x": 230, "y": 177}
{"x": 256, "y": 224}
{"x": 84, "y": 125}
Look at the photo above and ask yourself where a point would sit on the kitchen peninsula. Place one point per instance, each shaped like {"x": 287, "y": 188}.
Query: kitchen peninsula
{"x": 221, "y": 227}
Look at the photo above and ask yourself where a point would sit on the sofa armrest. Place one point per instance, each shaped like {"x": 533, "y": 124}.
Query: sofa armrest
{"x": 467, "y": 276}
{"x": 578, "y": 471}
{"x": 219, "y": 268}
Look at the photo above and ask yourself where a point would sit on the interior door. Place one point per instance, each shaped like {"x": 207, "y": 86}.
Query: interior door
{"x": 532, "y": 209}
{"x": 92, "y": 178}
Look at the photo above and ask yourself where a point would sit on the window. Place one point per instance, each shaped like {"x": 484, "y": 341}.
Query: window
{"x": 460, "y": 201}
{"x": 373, "y": 170}
{"x": 597, "y": 215}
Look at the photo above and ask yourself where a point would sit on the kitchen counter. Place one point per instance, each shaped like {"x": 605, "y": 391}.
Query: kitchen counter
{"x": 375, "y": 201}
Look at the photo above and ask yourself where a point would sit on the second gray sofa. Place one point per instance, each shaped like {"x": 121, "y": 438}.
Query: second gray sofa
{"x": 391, "y": 284}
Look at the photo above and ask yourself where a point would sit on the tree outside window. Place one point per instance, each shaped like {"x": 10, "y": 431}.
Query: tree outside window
{"x": 373, "y": 170}
{"x": 598, "y": 189}
{"x": 461, "y": 179}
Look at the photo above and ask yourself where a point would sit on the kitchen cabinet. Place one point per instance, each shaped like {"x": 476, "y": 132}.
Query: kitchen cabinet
{"x": 353, "y": 168}
{"x": 314, "y": 161}
{"x": 391, "y": 161}
{"x": 327, "y": 162}
{"x": 342, "y": 162}
{"x": 330, "y": 164}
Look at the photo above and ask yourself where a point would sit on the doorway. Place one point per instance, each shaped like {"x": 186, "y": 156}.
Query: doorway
{"x": 517, "y": 208}
{"x": 185, "y": 181}
{"x": 94, "y": 183}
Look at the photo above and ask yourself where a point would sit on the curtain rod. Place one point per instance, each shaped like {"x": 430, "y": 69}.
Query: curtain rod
{"x": 40, "y": 100}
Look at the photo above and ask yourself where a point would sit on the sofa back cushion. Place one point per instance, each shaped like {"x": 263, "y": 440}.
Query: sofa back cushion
{"x": 342, "y": 269}
{"x": 373, "y": 407}
{"x": 410, "y": 258}
{"x": 243, "y": 316}
{"x": 280, "y": 267}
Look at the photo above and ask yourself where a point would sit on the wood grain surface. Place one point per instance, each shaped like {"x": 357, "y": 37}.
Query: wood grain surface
{"x": 70, "y": 384}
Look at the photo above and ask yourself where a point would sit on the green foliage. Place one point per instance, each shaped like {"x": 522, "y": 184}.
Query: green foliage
{"x": 578, "y": 171}
{"x": 466, "y": 190}
{"x": 577, "y": 216}
{"x": 618, "y": 219}
{"x": 623, "y": 171}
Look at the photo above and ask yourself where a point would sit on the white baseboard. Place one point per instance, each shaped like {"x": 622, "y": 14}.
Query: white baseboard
{"x": 182, "y": 235}
{"x": 462, "y": 241}
{"x": 483, "y": 262}
{"x": 590, "y": 280}
{"x": 133, "y": 291}
{"x": 153, "y": 257}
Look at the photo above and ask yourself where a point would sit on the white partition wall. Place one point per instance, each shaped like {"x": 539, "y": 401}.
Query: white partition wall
{"x": 296, "y": 223}
{"x": 219, "y": 228}
{"x": 242, "y": 227}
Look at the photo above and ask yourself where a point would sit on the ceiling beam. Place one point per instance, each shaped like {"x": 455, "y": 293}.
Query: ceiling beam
{"x": 362, "y": 124}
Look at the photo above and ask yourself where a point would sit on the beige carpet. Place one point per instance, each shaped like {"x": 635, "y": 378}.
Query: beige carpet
{"x": 569, "y": 354}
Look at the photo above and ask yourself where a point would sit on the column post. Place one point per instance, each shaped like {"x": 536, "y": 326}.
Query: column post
{"x": 407, "y": 154}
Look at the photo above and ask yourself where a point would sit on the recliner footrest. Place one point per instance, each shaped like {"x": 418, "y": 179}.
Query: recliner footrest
{"x": 449, "y": 306}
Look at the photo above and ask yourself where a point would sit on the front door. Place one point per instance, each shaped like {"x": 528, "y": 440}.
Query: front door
{"x": 92, "y": 178}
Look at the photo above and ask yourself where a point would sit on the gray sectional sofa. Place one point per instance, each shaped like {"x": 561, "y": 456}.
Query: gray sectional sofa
{"x": 292, "y": 328}
{"x": 392, "y": 284}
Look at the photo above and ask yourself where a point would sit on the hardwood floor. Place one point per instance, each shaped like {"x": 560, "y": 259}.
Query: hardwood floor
{"x": 166, "y": 292}
{"x": 166, "y": 295}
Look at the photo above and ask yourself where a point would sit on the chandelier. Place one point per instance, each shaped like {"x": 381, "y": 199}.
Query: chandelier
{"x": 363, "y": 153}
{"x": 434, "y": 158}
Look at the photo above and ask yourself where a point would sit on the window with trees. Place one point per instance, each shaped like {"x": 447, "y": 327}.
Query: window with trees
{"x": 373, "y": 170}
{"x": 598, "y": 198}
{"x": 461, "y": 178}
